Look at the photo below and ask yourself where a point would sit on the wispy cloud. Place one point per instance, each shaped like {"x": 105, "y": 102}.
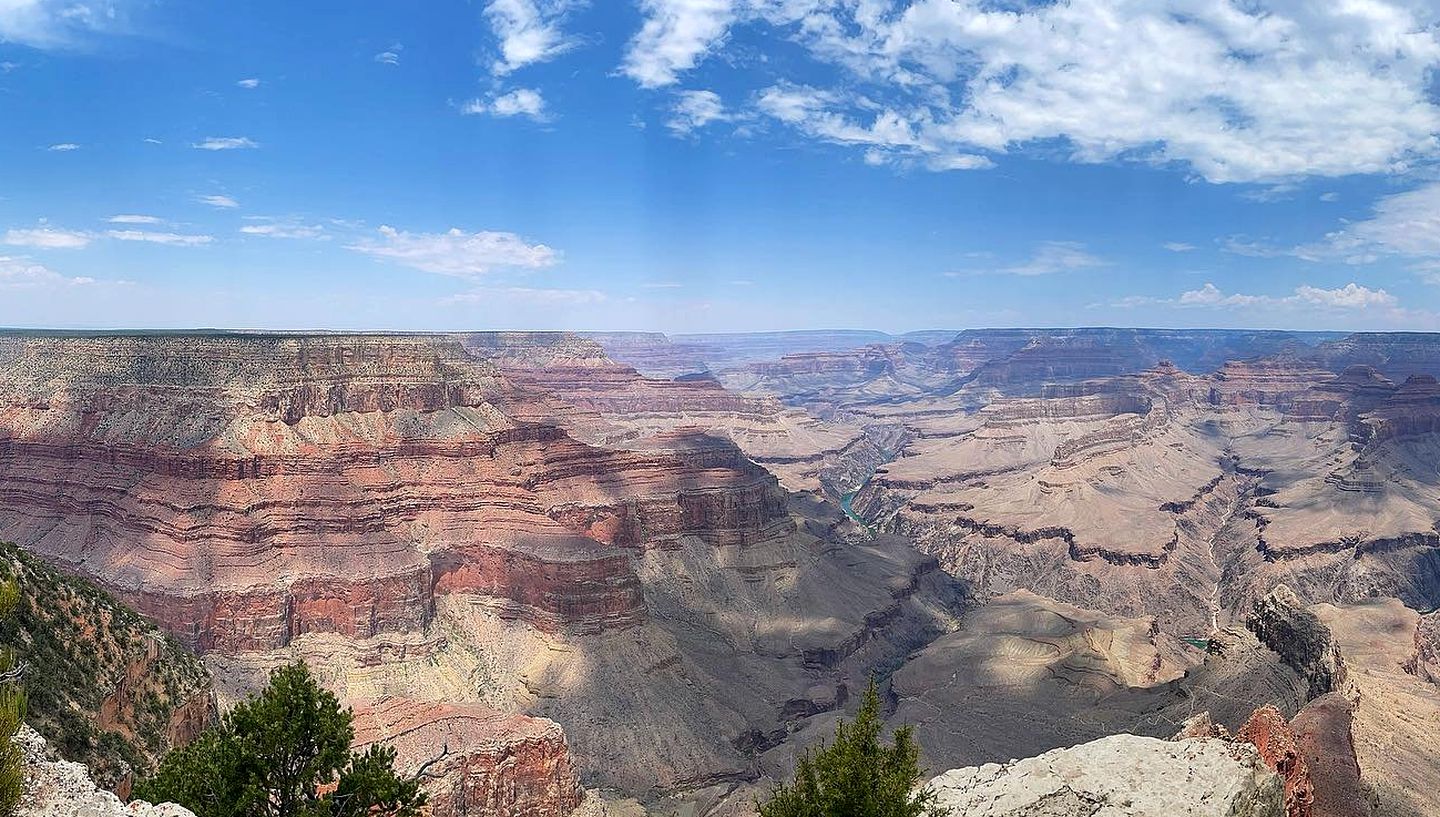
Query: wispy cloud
{"x": 48, "y": 24}
{"x": 63, "y": 147}
{"x": 457, "y": 252}
{"x": 1055, "y": 256}
{"x": 285, "y": 228}
{"x": 220, "y": 201}
{"x": 1350, "y": 297}
{"x": 128, "y": 218}
{"x": 168, "y": 239}
{"x": 694, "y": 110}
{"x": 526, "y": 102}
{"x": 1178, "y": 246}
{"x": 250, "y": 84}
{"x": 528, "y": 31}
{"x": 532, "y": 295}
{"x": 48, "y": 238}
{"x": 226, "y": 143}
{"x": 391, "y": 55}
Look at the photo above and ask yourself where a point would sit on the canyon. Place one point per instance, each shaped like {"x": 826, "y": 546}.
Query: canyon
{"x": 626, "y": 573}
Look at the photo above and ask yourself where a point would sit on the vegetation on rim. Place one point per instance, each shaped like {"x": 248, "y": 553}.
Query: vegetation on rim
{"x": 91, "y": 661}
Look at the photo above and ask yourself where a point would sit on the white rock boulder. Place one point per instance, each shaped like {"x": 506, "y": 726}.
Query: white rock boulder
{"x": 59, "y": 788}
{"x": 1120, "y": 776}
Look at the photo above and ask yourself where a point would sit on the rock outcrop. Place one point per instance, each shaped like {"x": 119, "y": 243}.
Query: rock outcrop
{"x": 1123, "y": 776}
{"x": 1323, "y": 733}
{"x": 1269, "y": 732}
{"x": 1282, "y": 623}
{"x": 474, "y": 760}
{"x": 59, "y": 788}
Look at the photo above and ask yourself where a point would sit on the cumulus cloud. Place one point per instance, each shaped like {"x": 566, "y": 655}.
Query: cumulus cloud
{"x": 457, "y": 252}
{"x": 525, "y": 102}
{"x": 168, "y": 239}
{"x": 528, "y": 31}
{"x": 226, "y": 143}
{"x": 1234, "y": 92}
{"x": 21, "y": 273}
{"x": 221, "y": 202}
{"x": 48, "y": 238}
{"x": 694, "y": 110}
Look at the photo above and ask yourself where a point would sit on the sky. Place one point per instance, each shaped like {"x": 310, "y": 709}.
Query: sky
{"x": 712, "y": 165}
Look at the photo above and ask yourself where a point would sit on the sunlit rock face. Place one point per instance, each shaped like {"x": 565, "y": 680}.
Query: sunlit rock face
{"x": 1121, "y": 775}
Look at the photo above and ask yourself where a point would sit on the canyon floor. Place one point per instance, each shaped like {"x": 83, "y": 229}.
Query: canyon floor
{"x": 629, "y": 573}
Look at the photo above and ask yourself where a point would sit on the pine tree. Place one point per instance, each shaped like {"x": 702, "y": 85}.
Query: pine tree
{"x": 12, "y": 712}
{"x": 284, "y": 753}
{"x": 857, "y": 775}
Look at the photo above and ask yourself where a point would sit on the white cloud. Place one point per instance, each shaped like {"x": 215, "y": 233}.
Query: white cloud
{"x": 1404, "y": 224}
{"x": 222, "y": 202}
{"x": 1178, "y": 246}
{"x": 529, "y": 31}
{"x": 251, "y": 83}
{"x": 391, "y": 55}
{"x": 676, "y": 36}
{"x": 285, "y": 228}
{"x": 1351, "y": 297}
{"x": 226, "y": 143}
{"x": 63, "y": 147}
{"x": 58, "y": 23}
{"x": 133, "y": 219}
{"x": 20, "y": 273}
{"x": 456, "y": 252}
{"x": 1055, "y": 256}
{"x": 1235, "y": 92}
{"x": 525, "y": 102}
{"x": 48, "y": 238}
{"x": 696, "y": 109}
{"x": 168, "y": 239}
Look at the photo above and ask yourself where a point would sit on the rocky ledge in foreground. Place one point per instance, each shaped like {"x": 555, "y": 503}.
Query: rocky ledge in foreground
{"x": 59, "y": 788}
{"x": 1120, "y": 776}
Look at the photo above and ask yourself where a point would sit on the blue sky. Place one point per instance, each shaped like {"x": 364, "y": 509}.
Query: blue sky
{"x": 695, "y": 165}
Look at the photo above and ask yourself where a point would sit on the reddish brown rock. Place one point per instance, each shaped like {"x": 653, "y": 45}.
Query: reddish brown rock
{"x": 475, "y": 761}
{"x": 247, "y": 490}
{"x": 1425, "y": 663}
{"x": 1270, "y": 734}
{"x": 1323, "y": 732}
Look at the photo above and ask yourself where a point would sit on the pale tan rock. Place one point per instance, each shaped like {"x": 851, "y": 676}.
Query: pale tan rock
{"x": 1120, "y": 776}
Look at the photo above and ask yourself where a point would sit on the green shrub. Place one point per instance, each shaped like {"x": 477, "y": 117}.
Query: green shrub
{"x": 274, "y": 754}
{"x": 858, "y": 775}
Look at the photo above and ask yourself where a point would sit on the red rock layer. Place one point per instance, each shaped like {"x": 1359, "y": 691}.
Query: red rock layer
{"x": 1425, "y": 663}
{"x": 243, "y": 501}
{"x": 1323, "y": 731}
{"x": 1269, "y": 732}
{"x": 475, "y": 761}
